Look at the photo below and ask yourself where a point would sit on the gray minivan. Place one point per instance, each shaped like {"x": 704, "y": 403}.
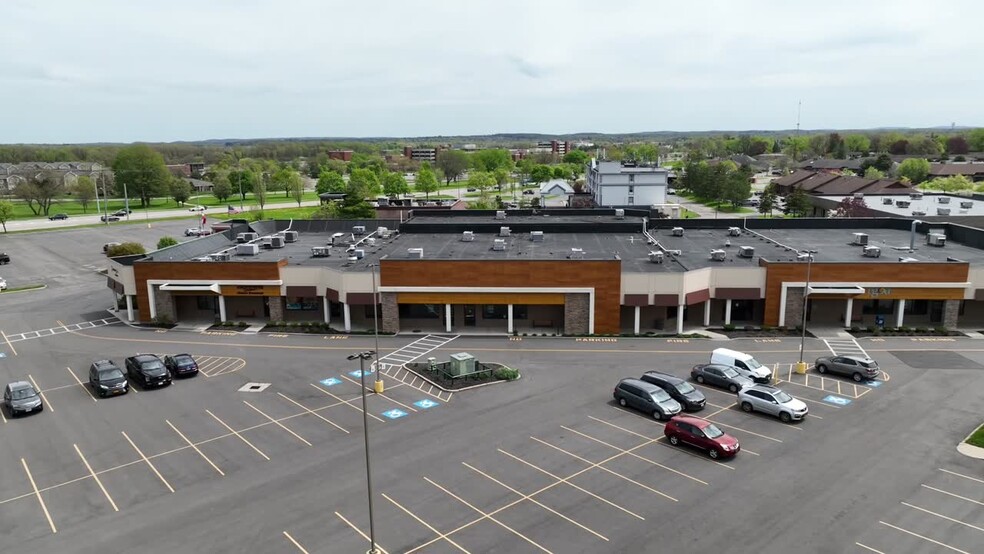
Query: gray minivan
{"x": 646, "y": 397}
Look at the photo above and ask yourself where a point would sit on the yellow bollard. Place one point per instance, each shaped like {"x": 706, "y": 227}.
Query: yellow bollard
{"x": 801, "y": 368}
{"x": 378, "y": 386}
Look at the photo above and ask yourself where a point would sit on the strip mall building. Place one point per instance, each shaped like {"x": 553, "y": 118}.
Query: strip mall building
{"x": 571, "y": 272}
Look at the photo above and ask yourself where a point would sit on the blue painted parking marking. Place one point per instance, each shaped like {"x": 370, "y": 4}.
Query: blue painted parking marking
{"x": 394, "y": 414}
{"x": 425, "y": 403}
{"x": 331, "y": 381}
{"x": 874, "y": 384}
{"x": 3, "y": 354}
{"x": 838, "y": 400}
{"x": 358, "y": 373}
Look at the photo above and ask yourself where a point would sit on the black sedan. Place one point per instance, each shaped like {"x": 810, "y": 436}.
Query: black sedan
{"x": 148, "y": 369}
{"x": 181, "y": 365}
{"x": 58, "y": 217}
{"x": 720, "y": 375}
{"x": 109, "y": 218}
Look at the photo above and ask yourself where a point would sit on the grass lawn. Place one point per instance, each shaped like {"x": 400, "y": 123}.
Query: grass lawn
{"x": 723, "y": 207}
{"x": 687, "y": 214}
{"x": 977, "y": 439}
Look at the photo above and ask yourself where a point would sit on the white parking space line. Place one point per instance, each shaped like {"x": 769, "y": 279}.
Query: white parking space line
{"x": 941, "y": 516}
{"x": 315, "y": 414}
{"x": 281, "y": 425}
{"x": 47, "y": 404}
{"x": 9, "y": 344}
{"x": 978, "y": 502}
{"x": 397, "y": 402}
{"x": 195, "y": 448}
{"x": 962, "y": 475}
{"x": 37, "y": 493}
{"x": 359, "y": 531}
{"x": 295, "y": 543}
{"x": 96, "y": 477}
{"x": 149, "y": 463}
{"x": 634, "y": 455}
{"x": 443, "y": 536}
{"x": 79, "y": 381}
{"x": 347, "y": 402}
{"x": 236, "y": 433}
{"x": 938, "y": 543}
{"x": 869, "y": 549}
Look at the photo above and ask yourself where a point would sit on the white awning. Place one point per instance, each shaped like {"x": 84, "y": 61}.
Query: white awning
{"x": 847, "y": 289}
{"x": 200, "y": 287}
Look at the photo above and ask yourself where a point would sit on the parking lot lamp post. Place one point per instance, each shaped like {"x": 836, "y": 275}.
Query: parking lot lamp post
{"x": 378, "y": 386}
{"x": 801, "y": 366}
{"x": 362, "y": 357}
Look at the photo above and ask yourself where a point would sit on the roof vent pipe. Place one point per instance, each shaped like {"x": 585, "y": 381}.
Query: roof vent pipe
{"x": 912, "y": 235}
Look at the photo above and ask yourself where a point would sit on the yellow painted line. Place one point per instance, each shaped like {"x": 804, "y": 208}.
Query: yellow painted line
{"x": 496, "y": 521}
{"x": 962, "y": 475}
{"x": 236, "y": 433}
{"x": 530, "y": 498}
{"x": 295, "y": 543}
{"x": 195, "y": 448}
{"x": 938, "y": 543}
{"x": 79, "y": 381}
{"x": 941, "y": 516}
{"x": 442, "y": 536}
{"x": 346, "y": 402}
{"x": 359, "y": 531}
{"x": 633, "y": 454}
{"x": 96, "y": 477}
{"x": 281, "y": 425}
{"x": 572, "y": 485}
{"x": 397, "y": 402}
{"x": 9, "y": 344}
{"x": 47, "y": 405}
{"x": 662, "y": 441}
{"x": 37, "y": 493}
{"x": 954, "y": 495}
{"x": 866, "y": 547}
{"x": 149, "y": 463}
{"x": 315, "y": 414}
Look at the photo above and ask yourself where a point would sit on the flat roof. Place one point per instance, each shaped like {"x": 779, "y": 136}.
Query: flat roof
{"x": 927, "y": 205}
{"x": 834, "y": 245}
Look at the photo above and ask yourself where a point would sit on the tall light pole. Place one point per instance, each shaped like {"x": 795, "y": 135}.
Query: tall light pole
{"x": 362, "y": 357}
{"x": 801, "y": 366}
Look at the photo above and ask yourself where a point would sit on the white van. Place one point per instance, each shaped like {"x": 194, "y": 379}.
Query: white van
{"x": 744, "y": 363}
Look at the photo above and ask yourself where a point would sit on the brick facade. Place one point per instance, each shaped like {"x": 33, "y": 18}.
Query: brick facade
{"x": 951, "y": 309}
{"x": 390, "y": 317}
{"x": 164, "y": 303}
{"x": 794, "y": 307}
{"x": 576, "y": 314}
{"x": 276, "y": 305}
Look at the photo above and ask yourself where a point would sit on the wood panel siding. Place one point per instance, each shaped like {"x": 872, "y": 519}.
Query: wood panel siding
{"x": 531, "y": 298}
{"x": 890, "y": 275}
{"x": 604, "y": 276}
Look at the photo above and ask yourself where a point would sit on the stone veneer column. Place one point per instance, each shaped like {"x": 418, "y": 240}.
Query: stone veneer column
{"x": 576, "y": 313}
{"x": 794, "y": 308}
{"x": 276, "y": 304}
{"x": 951, "y": 309}
{"x": 164, "y": 302}
{"x": 390, "y": 317}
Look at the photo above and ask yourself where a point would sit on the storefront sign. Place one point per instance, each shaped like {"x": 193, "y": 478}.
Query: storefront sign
{"x": 879, "y": 291}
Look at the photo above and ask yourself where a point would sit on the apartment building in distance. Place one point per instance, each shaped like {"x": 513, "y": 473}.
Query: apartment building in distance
{"x": 613, "y": 183}
{"x": 343, "y": 155}
{"x": 421, "y": 153}
{"x": 559, "y": 147}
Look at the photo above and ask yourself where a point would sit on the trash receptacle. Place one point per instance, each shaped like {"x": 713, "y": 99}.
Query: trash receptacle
{"x": 801, "y": 367}
{"x": 378, "y": 386}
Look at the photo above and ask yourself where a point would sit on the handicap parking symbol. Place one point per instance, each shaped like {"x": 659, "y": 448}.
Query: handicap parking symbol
{"x": 873, "y": 384}
{"x": 394, "y": 414}
{"x": 358, "y": 373}
{"x": 838, "y": 400}
{"x": 425, "y": 403}
{"x": 331, "y": 381}
{"x": 3, "y": 354}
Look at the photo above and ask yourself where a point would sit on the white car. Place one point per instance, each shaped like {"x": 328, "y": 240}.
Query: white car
{"x": 3, "y": 284}
{"x": 196, "y": 232}
{"x": 196, "y": 209}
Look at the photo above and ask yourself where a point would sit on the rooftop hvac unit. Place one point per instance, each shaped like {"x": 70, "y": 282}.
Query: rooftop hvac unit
{"x": 277, "y": 242}
{"x": 871, "y": 252}
{"x": 266, "y": 242}
{"x": 467, "y": 236}
{"x": 746, "y": 251}
{"x": 576, "y": 254}
{"x": 859, "y": 195}
{"x": 500, "y": 214}
{"x": 675, "y": 253}
{"x": 202, "y": 259}
{"x": 619, "y": 213}
{"x": 336, "y": 238}
{"x": 906, "y": 259}
{"x": 934, "y": 239}
{"x": 718, "y": 255}
{"x": 916, "y": 195}
{"x": 247, "y": 249}
{"x": 887, "y": 201}
{"x": 860, "y": 239}
{"x": 504, "y": 231}
{"x": 359, "y": 230}
{"x": 656, "y": 257}
{"x": 290, "y": 236}
{"x": 352, "y": 259}
{"x": 383, "y": 232}
{"x": 416, "y": 253}
{"x": 966, "y": 204}
{"x": 251, "y": 236}
{"x": 320, "y": 251}
{"x": 241, "y": 237}
{"x": 734, "y": 231}
{"x": 803, "y": 256}
{"x": 677, "y": 231}
{"x": 536, "y": 236}
{"x": 942, "y": 211}
{"x": 371, "y": 241}
{"x": 902, "y": 203}
{"x": 382, "y": 201}
{"x": 499, "y": 245}
{"x": 360, "y": 253}
{"x": 221, "y": 257}
{"x": 943, "y": 199}
{"x": 918, "y": 212}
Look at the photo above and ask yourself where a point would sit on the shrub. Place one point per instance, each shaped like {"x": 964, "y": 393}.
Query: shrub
{"x": 871, "y": 328}
{"x": 855, "y": 328}
{"x": 165, "y": 242}
{"x": 942, "y": 330}
{"x": 506, "y": 374}
{"x": 125, "y": 249}
{"x": 162, "y": 321}
{"x": 729, "y": 327}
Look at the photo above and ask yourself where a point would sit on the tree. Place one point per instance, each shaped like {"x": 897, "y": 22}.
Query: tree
{"x": 394, "y": 184}
{"x": 957, "y": 145}
{"x": 577, "y": 157}
{"x": 898, "y": 147}
{"x": 541, "y": 174}
{"x": 166, "y": 241}
{"x": 796, "y": 147}
{"x": 221, "y": 189}
{"x": 483, "y": 181}
{"x": 426, "y": 181}
{"x": 852, "y": 207}
{"x": 453, "y": 163}
{"x": 857, "y": 143}
{"x": 525, "y": 167}
{"x": 355, "y": 205}
{"x": 6, "y": 213}
{"x": 372, "y": 162}
{"x": 294, "y": 184}
{"x": 84, "y": 190}
{"x": 768, "y": 201}
{"x": 328, "y": 210}
{"x": 180, "y": 190}
{"x": 562, "y": 172}
{"x": 242, "y": 180}
{"x": 39, "y": 192}
{"x": 840, "y": 152}
{"x": 143, "y": 172}
{"x": 874, "y": 173}
{"x": 797, "y": 203}
{"x": 280, "y": 180}
{"x": 501, "y": 176}
{"x": 882, "y": 163}
{"x": 363, "y": 182}
{"x": 125, "y": 249}
{"x": 817, "y": 145}
{"x": 330, "y": 181}
{"x": 259, "y": 190}
{"x": 914, "y": 169}
{"x": 975, "y": 140}
{"x": 490, "y": 160}
{"x": 737, "y": 186}
{"x": 949, "y": 184}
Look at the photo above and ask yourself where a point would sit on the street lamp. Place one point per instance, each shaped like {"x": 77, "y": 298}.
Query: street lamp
{"x": 801, "y": 366}
{"x": 362, "y": 357}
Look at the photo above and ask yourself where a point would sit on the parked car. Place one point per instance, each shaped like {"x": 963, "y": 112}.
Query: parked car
{"x": 181, "y": 365}
{"x": 773, "y": 401}
{"x": 148, "y": 369}
{"x": 196, "y": 209}
{"x": 529, "y": 191}
{"x": 646, "y": 397}
{"x": 193, "y": 232}
{"x": 471, "y": 190}
{"x": 107, "y": 379}
{"x": 702, "y": 434}
{"x": 720, "y": 375}
{"x": 20, "y": 397}
{"x": 109, "y": 218}
{"x": 4, "y": 258}
{"x": 680, "y": 390}
{"x": 3, "y": 284}
{"x": 58, "y": 217}
{"x": 746, "y": 365}
{"x": 858, "y": 368}
{"x": 122, "y": 212}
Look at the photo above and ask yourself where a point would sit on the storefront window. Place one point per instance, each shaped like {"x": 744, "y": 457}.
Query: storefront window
{"x": 878, "y": 307}
{"x": 420, "y": 311}
{"x": 501, "y": 311}
{"x": 299, "y": 304}
{"x": 206, "y": 303}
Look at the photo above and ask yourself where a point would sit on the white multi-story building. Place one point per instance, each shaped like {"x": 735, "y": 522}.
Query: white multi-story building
{"x": 615, "y": 184}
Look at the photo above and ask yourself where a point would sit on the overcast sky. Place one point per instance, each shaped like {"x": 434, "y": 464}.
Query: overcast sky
{"x": 121, "y": 71}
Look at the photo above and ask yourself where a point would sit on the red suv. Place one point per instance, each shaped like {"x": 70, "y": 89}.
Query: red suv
{"x": 702, "y": 434}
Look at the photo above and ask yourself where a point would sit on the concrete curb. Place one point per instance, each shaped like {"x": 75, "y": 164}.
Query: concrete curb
{"x": 479, "y": 385}
{"x": 970, "y": 450}
{"x": 8, "y": 291}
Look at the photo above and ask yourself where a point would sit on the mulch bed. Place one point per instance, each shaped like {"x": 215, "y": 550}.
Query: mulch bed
{"x": 450, "y": 384}
{"x": 761, "y": 333}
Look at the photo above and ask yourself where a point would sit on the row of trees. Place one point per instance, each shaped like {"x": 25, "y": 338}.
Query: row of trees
{"x": 720, "y": 182}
